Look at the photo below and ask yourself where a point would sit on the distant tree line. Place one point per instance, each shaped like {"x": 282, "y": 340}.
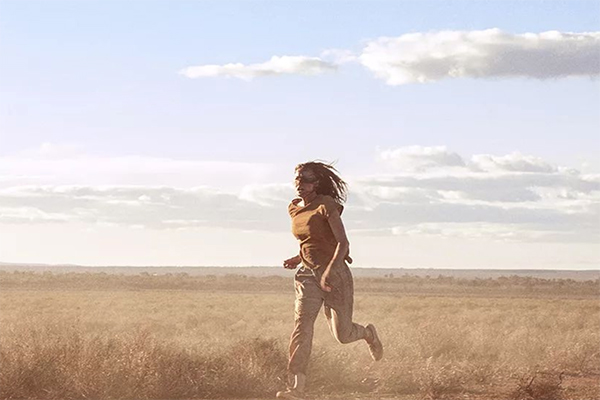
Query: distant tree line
{"x": 510, "y": 285}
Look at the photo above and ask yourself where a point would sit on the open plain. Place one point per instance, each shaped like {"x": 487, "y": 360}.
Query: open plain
{"x": 175, "y": 336}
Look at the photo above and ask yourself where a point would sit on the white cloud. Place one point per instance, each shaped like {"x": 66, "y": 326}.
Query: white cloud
{"x": 52, "y": 151}
{"x": 339, "y": 56}
{"x": 433, "y": 56}
{"x": 423, "y": 191}
{"x": 419, "y": 158}
{"x": 430, "y": 57}
{"x": 511, "y": 162}
{"x": 141, "y": 206}
{"x": 18, "y": 214}
{"x": 57, "y": 165}
{"x": 276, "y": 194}
{"x": 479, "y": 230}
{"x": 430, "y": 192}
{"x": 284, "y": 65}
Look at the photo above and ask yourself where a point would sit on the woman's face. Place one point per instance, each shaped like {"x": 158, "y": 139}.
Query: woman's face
{"x": 306, "y": 182}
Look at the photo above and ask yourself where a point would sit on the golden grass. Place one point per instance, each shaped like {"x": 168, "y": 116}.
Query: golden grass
{"x": 206, "y": 343}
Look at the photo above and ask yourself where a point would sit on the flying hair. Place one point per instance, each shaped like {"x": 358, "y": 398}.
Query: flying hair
{"x": 329, "y": 183}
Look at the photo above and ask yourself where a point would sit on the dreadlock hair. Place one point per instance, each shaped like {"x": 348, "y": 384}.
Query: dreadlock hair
{"x": 330, "y": 183}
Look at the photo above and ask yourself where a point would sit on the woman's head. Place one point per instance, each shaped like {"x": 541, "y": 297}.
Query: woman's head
{"x": 322, "y": 178}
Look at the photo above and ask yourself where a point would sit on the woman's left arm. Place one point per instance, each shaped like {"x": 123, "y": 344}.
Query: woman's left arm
{"x": 341, "y": 250}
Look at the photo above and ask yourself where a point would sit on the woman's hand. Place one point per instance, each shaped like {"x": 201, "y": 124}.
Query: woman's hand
{"x": 292, "y": 263}
{"x": 325, "y": 286}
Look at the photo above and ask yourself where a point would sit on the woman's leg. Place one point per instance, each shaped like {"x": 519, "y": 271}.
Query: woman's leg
{"x": 309, "y": 298}
{"x": 339, "y": 305}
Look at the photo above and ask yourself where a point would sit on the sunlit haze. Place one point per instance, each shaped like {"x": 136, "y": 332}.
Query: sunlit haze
{"x": 166, "y": 132}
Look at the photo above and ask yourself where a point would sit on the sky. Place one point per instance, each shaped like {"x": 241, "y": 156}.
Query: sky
{"x": 166, "y": 132}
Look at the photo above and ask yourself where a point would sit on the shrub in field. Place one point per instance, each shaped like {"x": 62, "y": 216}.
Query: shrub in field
{"x": 50, "y": 364}
{"x": 251, "y": 367}
{"x": 582, "y": 357}
{"x": 216, "y": 344}
{"x": 401, "y": 379}
{"x": 439, "y": 380}
{"x": 539, "y": 386}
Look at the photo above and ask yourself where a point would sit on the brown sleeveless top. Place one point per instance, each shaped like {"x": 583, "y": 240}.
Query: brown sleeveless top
{"x": 310, "y": 226}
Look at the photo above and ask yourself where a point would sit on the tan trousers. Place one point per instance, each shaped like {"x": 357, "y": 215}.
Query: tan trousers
{"x": 338, "y": 311}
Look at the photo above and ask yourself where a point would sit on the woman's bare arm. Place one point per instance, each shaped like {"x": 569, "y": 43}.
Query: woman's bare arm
{"x": 293, "y": 262}
{"x": 341, "y": 250}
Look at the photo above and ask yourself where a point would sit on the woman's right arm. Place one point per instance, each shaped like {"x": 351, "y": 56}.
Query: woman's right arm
{"x": 292, "y": 263}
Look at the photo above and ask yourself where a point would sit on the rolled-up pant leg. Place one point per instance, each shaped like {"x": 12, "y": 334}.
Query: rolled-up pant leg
{"x": 309, "y": 298}
{"x": 339, "y": 305}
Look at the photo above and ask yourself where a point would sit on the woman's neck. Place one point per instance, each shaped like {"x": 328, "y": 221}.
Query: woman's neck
{"x": 308, "y": 198}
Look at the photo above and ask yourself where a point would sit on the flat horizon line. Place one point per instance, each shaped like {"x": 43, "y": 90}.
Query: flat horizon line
{"x": 58, "y": 265}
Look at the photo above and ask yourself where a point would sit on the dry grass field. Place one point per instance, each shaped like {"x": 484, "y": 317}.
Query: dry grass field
{"x": 102, "y": 336}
